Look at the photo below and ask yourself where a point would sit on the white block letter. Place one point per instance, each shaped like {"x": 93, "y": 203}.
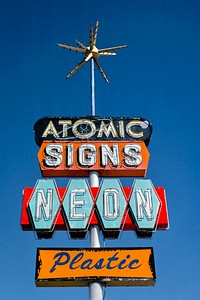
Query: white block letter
{"x": 111, "y": 203}
{"x": 54, "y": 157}
{"x": 144, "y": 204}
{"x": 75, "y": 203}
{"x": 44, "y": 205}
{"x": 111, "y": 154}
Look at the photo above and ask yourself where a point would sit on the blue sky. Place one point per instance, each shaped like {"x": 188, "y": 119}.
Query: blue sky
{"x": 156, "y": 77}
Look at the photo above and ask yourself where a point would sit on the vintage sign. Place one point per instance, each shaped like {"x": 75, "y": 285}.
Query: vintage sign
{"x": 47, "y": 208}
{"x": 92, "y": 128}
{"x": 64, "y": 159}
{"x": 79, "y": 267}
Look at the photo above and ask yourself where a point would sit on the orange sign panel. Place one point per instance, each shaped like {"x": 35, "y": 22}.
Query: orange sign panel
{"x": 79, "y": 267}
{"x": 78, "y": 158}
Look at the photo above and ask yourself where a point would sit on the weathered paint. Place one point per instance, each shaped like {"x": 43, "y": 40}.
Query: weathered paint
{"x": 111, "y": 267}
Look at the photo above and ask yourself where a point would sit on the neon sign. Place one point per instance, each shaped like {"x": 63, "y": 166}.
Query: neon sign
{"x": 141, "y": 208}
{"x": 92, "y": 128}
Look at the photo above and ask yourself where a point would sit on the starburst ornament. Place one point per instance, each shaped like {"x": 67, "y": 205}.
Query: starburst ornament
{"x": 91, "y": 52}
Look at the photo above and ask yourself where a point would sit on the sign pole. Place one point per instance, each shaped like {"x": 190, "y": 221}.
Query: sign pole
{"x": 95, "y": 288}
{"x": 92, "y": 87}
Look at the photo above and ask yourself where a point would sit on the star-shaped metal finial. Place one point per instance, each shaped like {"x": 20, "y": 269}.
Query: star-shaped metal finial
{"x": 91, "y": 52}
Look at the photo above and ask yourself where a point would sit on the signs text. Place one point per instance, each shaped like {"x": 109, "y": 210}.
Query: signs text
{"x": 63, "y": 159}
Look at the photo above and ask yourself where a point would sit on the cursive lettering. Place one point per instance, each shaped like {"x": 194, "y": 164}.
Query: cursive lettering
{"x": 78, "y": 261}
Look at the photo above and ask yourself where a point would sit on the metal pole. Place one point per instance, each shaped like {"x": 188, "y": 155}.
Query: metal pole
{"x": 94, "y": 229}
{"x": 95, "y": 288}
{"x": 92, "y": 86}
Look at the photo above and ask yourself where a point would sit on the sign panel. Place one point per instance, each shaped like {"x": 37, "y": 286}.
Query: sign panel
{"x": 121, "y": 159}
{"x": 144, "y": 204}
{"x": 77, "y": 204}
{"x": 111, "y": 204}
{"x": 111, "y": 267}
{"x": 92, "y": 128}
{"x": 44, "y": 205}
{"x": 140, "y": 207}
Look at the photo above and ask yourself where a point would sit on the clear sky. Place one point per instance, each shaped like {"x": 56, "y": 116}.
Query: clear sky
{"x": 156, "y": 77}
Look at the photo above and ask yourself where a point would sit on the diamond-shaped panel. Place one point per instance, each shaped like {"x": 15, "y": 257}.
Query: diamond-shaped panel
{"x": 144, "y": 204}
{"x": 44, "y": 204}
{"x": 111, "y": 204}
{"x": 78, "y": 204}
